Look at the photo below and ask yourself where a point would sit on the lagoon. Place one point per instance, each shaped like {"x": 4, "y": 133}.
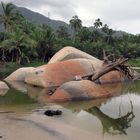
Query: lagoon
{"x": 22, "y": 115}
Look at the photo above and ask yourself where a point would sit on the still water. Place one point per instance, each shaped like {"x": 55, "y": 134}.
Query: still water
{"x": 117, "y": 118}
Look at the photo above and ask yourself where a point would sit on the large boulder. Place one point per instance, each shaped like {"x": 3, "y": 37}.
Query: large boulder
{"x": 79, "y": 90}
{"x": 55, "y": 74}
{"x": 72, "y": 53}
{"x": 3, "y": 88}
{"x": 19, "y": 74}
{"x": 3, "y": 85}
{"x": 112, "y": 77}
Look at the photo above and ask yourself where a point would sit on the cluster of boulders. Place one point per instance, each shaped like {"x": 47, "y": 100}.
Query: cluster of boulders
{"x": 65, "y": 77}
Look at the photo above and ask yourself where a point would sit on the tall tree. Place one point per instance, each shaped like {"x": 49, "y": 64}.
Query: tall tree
{"x": 108, "y": 34}
{"x": 16, "y": 44}
{"x": 44, "y": 39}
{"x": 98, "y": 23}
{"x": 7, "y": 17}
{"x": 105, "y": 28}
{"x": 75, "y": 24}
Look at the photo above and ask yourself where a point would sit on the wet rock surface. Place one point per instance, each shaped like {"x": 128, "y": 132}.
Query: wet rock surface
{"x": 78, "y": 90}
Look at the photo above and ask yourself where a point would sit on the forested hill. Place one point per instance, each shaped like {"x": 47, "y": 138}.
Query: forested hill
{"x": 38, "y": 18}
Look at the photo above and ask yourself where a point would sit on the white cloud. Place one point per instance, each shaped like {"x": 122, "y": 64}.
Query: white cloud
{"x": 123, "y": 14}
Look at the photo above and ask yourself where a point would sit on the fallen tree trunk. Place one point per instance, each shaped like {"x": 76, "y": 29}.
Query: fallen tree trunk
{"x": 118, "y": 65}
{"x": 108, "y": 68}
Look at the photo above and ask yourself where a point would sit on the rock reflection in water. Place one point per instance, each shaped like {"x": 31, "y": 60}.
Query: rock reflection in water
{"x": 71, "y": 125}
{"x": 18, "y": 85}
{"x": 37, "y": 93}
{"x": 111, "y": 125}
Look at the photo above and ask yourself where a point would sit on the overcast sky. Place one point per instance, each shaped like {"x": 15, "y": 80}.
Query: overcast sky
{"x": 118, "y": 14}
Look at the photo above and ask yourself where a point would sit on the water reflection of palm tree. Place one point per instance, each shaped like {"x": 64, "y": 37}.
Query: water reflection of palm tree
{"x": 111, "y": 125}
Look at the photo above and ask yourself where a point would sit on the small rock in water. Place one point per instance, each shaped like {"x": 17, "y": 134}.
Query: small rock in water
{"x": 0, "y": 136}
{"x": 52, "y": 112}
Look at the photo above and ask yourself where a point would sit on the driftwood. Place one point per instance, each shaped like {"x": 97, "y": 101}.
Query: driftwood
{"x": 108, "y": 68}
{"x": 119, "y": 65}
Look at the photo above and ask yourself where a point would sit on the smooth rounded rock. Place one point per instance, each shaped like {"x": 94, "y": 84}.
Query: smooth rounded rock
{"x": 72, "y": 53}
{"x": 55, "y": 74}
{"x": 79, "y": 90}
{"x": 19, "y": 74}
{"x": 112, "y": 77}
{"x": 3, "y": 85}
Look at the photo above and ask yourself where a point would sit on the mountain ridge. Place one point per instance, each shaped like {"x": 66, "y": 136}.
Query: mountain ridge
{"x": 38, "y": 18}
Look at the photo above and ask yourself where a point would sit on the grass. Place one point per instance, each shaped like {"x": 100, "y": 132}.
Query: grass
{"x": 135, "y": 62}
{"x": 13, "y": 65}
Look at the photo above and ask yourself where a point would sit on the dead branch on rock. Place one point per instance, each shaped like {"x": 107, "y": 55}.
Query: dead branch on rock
{"x": 119, "y": 64}
{"x": 111, "y": 66}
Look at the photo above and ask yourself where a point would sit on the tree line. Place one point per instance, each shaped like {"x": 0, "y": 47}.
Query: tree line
{"x": 21, "y": 41}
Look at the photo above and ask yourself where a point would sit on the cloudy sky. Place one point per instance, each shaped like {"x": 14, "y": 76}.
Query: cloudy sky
{"x": 118, "y": 14}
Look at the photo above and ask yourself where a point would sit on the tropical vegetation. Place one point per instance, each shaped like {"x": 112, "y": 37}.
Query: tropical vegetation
{"x": 22, "y": 42}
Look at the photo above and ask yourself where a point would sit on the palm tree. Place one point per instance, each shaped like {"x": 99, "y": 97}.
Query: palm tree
{"x": 75, "y": 24}
{"x": 108, "y": 33}
{"x": 98, "y": 23}
{"x": 19, "y": 21}
{"x": 105, "y": 28}
{"x": 7, "y": 17}
{"x": 16, "y": 44}
{"x": 44, "y": 41}
{"x": 110, "y": 38}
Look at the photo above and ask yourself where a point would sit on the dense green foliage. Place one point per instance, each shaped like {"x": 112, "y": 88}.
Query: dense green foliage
{"x": 23, "y": 42}
{"x": 135, "y": 62}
